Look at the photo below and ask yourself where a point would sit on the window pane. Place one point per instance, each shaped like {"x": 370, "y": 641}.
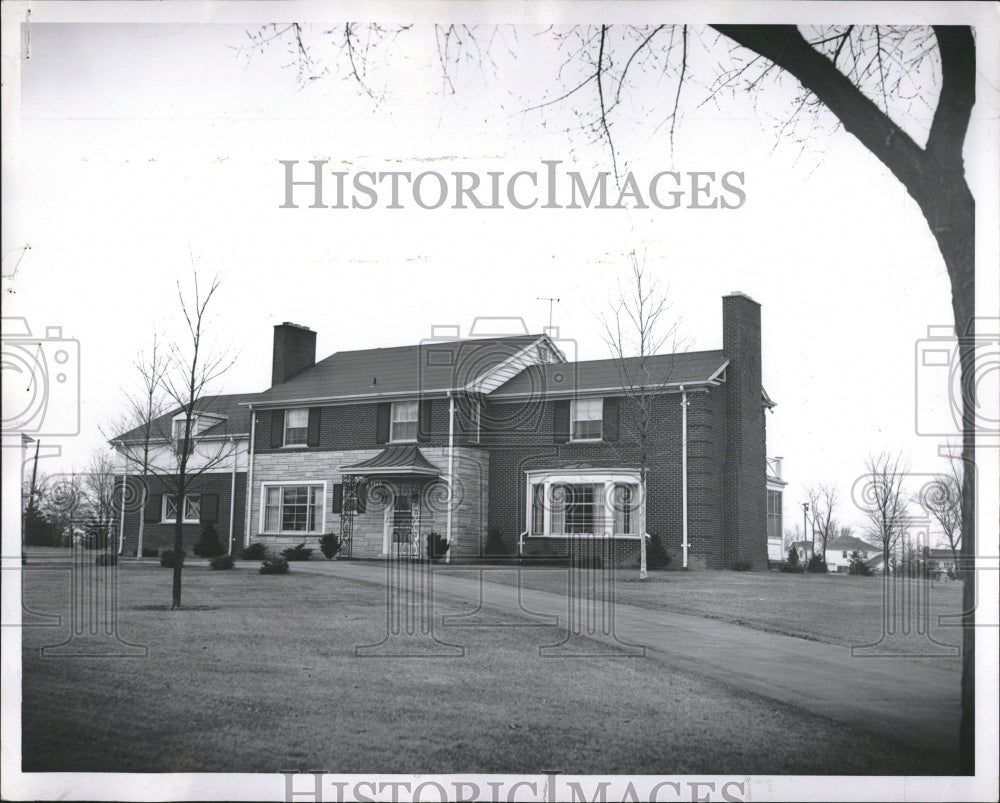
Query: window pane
{"x": 272, "y": 509}
{"x": 538, "y": 509}
{"x": 296, "y": 427}
{"x": 624, "y": 510}
{"x": 170, "y": 508}
{"x": 192, "y": 507}
{"x": 579, "y": 508}
{"x": 587, "y": 418}
{"x": 557, "y": 506}
{"x": 404, "y": 411}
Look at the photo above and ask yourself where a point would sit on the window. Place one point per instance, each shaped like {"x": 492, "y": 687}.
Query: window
{"x": 192, "y": 509}
{"x": 774, "y": 515}
{"x": 178, "y": 433}
{"x": 293, "y": 508}
{"x": 586, "y": 417}
{"x": 477, "y": 417}
{"x": 594, "y": 505}
{"x": 296, "y": 427}
{"x": 404, "y": 421}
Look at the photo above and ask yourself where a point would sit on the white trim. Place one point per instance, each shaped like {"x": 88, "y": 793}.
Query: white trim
{"x": 701, "y": 386}
{"x": 288, "y": 484}
{"x": 595, "y": 476}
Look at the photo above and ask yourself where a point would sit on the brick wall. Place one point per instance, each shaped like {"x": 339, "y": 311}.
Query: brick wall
{"x": 160, "y": 536}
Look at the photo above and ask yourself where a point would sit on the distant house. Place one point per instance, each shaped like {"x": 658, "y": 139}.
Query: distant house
{"x": 941, "y": 564}
{"x": 804, "y": 549}
{"x": 840, "y": 550}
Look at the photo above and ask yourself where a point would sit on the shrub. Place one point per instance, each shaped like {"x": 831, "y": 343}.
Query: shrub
{"x": 858, "y": 565}
{"x": 656, "y": 555}
{"x": 329, "y": 545}
{"x": 297, "y": 552}
{"x": 256, "y": 551}
{"x": 208, "y": 545}
{"x": 274, "y": 566}
{"x": 741, "y": 566}
{"x": 790, "y": 567}
{"x": 147, "y": 552}
{"x": 167, "y": 559}
{"x": 816, "y": 565}
{"x": 793, "y": 556}
{"x": 221, "y": 562}
{"x": 494, "y": 542}
{"x": 437, "y": 545}
{"x": 107, "y": 559}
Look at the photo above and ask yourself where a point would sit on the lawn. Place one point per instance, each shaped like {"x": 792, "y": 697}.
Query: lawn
{"x": 259, "y": 674}
{"x": 837, "y": 609}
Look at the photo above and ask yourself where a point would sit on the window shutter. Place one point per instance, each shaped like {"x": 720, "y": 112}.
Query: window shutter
{"x": 560, "y": 421}
{"x": 382, "y": 422}
{"x": 361, "y": 489}
{"x": 209, "y": 508}
{"x": 154, "y": 508}
{"x": 277, "y": 429}
{"x": 611, "y": 419}
{"x": 312, "y": 436}
{"x": 424, "y": 423}
{"x": 338, "y": 498}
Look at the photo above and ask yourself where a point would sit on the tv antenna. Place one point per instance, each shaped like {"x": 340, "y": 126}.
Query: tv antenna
{"x": 551, "y": 302}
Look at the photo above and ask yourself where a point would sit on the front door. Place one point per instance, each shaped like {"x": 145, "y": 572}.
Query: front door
{"x": 402, "y": 528}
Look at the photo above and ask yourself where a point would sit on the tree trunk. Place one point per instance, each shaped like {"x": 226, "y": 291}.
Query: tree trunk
{"x": 142, "y": 519}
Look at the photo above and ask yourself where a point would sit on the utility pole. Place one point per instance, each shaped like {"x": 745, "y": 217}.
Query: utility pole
{"x": 805, "y": 510}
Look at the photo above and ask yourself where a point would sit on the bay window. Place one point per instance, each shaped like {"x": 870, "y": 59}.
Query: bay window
{"x": 584, "y": 504}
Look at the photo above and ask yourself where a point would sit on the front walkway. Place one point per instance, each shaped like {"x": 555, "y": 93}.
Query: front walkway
{"x": 912, "y": 701}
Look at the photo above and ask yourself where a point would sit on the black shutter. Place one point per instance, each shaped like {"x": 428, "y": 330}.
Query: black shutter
{"x": 424, "y": 423}
{"x": 338, "y": 497}
{"x": 209, "y": 509}
{"x": 382, "y": 422}
{"x": 312, "y": 436}
{"x": 154, "y": 508}
{"x": 277, "y": 429}
{"x": 361, "y": 489}
{"x": 560, "y": 421}
{"x": 611, "y": 419}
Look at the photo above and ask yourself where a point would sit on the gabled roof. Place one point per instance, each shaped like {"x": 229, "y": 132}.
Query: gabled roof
{"x": 850, "y": 543}
{"x": 432, "y": 367}
{"x": 592, "y": 376}
{"x": 231, "y": 407}
{"x": 397, "y": 460}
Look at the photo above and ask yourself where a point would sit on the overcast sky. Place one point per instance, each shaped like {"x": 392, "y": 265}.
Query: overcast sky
{"x": 146, "y": 146}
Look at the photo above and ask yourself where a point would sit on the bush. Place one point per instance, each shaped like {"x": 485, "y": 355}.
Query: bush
{"x": 437, "y": 546}
{"x": 494, "y": 542}
{"x": 741, "y": 566}
{"x": 793, "y": 557}
{"x": 791, "y": 567}
{"x": 147, "y": 552}
{"x": 208, "y": 545}
{"x": 275, "y": 566}
{"x": 816, "y": 565}
{"x": 298, "y": 552}
{"x": 656, "y": 555}
{"x": 256, "y": 551}
{"x": 329, "y": 545}
{"x": 167, "y": 558}
{"x": 221, "y": 562}
{"x": 107, "y": 559}
{"x": 858, "y": 566}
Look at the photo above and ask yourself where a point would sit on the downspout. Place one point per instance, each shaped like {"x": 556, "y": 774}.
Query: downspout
{"x": 451, "y": 458}
{"x": 684, "y": 477}
{"x": 232, "y": 492}
{"x": 121, "y": 526}
{"x": 249, "y": 488}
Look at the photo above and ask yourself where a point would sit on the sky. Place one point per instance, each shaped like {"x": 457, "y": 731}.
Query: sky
{"x": 148, "y": 148}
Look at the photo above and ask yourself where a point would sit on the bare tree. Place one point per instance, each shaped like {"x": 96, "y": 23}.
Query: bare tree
{"x": 823, "y": 503}
{"x": 188, "y": 373}
{"x": 885, "y": 501}
{"x": 143, "y": 406}
{"x": 99, "y": 492}
{"x": 636, "y": 331}
{"x": 943, "y": 499}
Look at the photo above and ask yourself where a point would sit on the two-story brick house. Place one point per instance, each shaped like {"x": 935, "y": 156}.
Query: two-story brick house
{"x": 459, "y": 437}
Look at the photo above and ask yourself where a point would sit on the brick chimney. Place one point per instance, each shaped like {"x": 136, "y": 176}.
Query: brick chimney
{"x": 745, "y": 476}
{"x": 294, "y": 351}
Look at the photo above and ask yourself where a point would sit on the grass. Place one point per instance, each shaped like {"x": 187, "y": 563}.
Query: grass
{"x": 258, "y": 674}
{"x": 836, "y": 609}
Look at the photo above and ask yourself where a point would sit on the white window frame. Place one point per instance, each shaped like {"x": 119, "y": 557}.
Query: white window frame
{"x": 188, "y": 498}
{"x": 604, "y": 478}
{"x": 305, "y": 429}
{"x": 574, "y": 418}
{"x": 393, "y": 420}
{"x": 264, "y": 486}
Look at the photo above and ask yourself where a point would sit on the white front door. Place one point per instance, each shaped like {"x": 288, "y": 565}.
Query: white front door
{"x": 400, "y": 537}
